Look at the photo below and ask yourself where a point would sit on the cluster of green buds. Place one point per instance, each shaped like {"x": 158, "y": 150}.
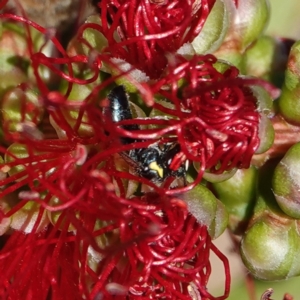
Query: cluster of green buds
{"x": 125, "y": 153}
{"x": 271, "y": 243}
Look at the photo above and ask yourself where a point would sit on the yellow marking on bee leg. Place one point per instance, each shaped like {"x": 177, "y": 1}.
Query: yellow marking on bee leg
{"x": 154, "y": 166}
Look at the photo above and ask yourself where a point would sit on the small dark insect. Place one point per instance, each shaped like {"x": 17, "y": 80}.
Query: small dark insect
{"x": 153, "y": 162}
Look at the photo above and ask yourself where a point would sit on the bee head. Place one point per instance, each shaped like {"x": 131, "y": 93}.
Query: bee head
{"x": 151, "y": 165}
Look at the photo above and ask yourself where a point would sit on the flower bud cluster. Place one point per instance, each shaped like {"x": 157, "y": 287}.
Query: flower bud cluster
{"x": 80, "y": 215}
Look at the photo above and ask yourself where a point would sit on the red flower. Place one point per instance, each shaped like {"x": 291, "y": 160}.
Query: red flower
{"x": 214, "y": 113}
{"x": 142, "y": 32}
{"x": 84, "y": 237}
{"x": 162, "y": 252}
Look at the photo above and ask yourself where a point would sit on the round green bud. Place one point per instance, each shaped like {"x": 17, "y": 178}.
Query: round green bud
{"x": 214, "y": 29}
{"x": 266, "y": 59}
{"x": 286, "y": 182}
{"x": 207, "y": 209}
{"x": 20, "y": 106}
{"x": 59, "y": 216}
{"x": 265, "y": 108}
{"x": 238, "y": 195}
{"x": 4, "y": 222}
{"x": 250, "y": 20}
{"x": 289, "y": 104}
{"x": 25, "y": 218}
{"x": 132, "y": 75}
{"x": 19, "y": 151}
{"x": 270, "y": 249}
{"x": 95, "y": 38}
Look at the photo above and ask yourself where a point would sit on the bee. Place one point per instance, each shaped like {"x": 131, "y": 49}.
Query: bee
{"x": 154, "y": 162}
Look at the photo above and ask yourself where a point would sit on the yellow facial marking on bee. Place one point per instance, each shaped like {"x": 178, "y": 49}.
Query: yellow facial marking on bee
{"x": 154, "y": 166}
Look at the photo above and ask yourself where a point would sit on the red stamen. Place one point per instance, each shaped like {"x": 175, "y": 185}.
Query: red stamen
{"x": 222, "y": 113}
{"x": 149, "y": 30}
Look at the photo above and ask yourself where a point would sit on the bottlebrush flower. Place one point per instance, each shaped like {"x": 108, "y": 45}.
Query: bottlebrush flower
{"x": 214, "y": 113}
{"x": 76, "y": 223}
{"x": 94, "y": 245}
{"x": 70, "y": 230}
{"x": 163, "y": 252}
{"x": 142, "y": 32}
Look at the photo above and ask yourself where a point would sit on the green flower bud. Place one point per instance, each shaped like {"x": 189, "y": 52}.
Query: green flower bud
{"x": 56, "y": 216}
{"x": 211, "y": 177}
{"x": 43, "y": 45}
{"x": 130, "y": 186}
{"x": 18, "y": 151}
{"x": 266, "y": 59}
{"x": 266, "y": 135}
{"x": 286, "y": 182}
{"x": 264, "y": 101}
{"x": 266, "y": 110}
{"x": 270, "y": 248}
{"x": 103, "y": 241}
{"x": 207, "y": 209}
{"x": 3, "y": 170}
{"x": 214, "y": 29}
{"x": 249, "y": 20}
{"x": 258, "y": 59}
{"x": 78, "y": 94}
{"x": 95, "y": 38}
{"x": 271, "y": 243}
{"x": 117, "y": 66}
{"x": 230, "y": 54}
{"x": 158, "y": 113}
{"x": 238, "y": 195}
{"x": 289, "y": 104}
{"x": 4, "y": 222}
{"x": 95, "y": 257}
{"x": 132, "y": 77}
{"x": 10, "y": 78}
{"x": 25, "y": 218}
{"x": 20, "y": 106}
{"x": 13, "y": 55}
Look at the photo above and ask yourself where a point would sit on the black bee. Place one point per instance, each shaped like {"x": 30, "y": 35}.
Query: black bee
{"x": 153, "y": 162}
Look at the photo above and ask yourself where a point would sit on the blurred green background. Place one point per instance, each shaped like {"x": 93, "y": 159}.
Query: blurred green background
{"x": 284, "y": 22}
